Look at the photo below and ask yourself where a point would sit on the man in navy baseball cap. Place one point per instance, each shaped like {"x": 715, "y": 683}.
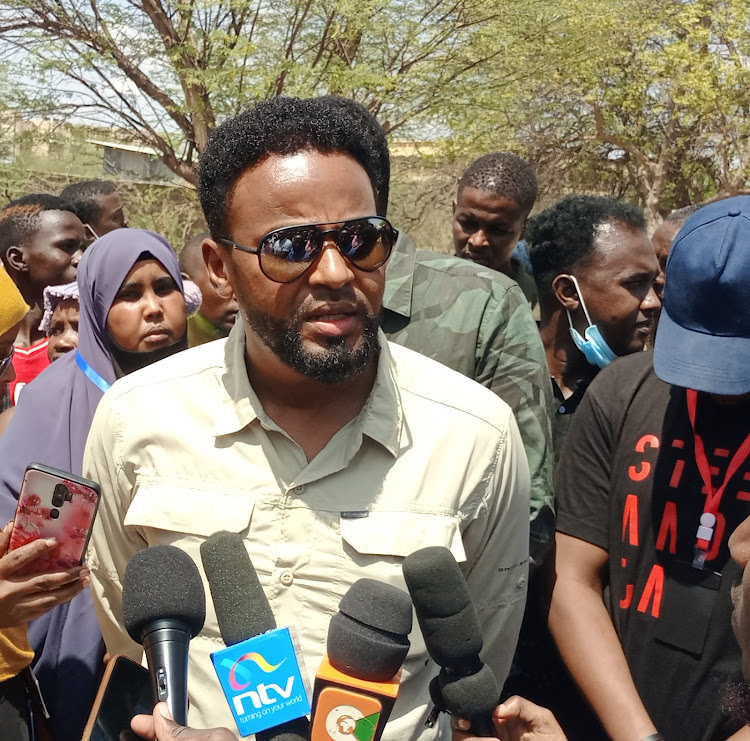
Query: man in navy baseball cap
{"x": 653, "y": 479}
{"x": 703, "y": 341}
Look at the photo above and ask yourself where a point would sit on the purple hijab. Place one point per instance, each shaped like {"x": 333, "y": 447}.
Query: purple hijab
{"x": 50, "y": 425}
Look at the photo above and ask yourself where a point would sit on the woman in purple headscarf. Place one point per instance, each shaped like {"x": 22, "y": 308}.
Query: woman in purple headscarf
{"x": 132, "y": 313}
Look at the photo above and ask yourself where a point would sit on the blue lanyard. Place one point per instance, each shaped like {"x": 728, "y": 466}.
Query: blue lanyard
{"x": 90, "y": 373}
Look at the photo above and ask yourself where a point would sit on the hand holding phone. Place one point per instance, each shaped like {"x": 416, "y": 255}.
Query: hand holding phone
{"x": 25, "y": 597}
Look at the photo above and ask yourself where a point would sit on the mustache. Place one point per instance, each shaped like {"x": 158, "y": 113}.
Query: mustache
{"x": 316, "y": 301}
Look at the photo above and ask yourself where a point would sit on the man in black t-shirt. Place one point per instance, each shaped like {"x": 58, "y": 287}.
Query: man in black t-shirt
{"x": 594, "y": 268}
{"x": 654, "y": 478}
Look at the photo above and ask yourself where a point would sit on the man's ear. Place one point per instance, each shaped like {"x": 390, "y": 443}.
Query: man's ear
{"x": 216, "y": 258}
{"x": 566, "y": 292}
{"x": 16, "y": 259}
{"x": 454, "y": 206}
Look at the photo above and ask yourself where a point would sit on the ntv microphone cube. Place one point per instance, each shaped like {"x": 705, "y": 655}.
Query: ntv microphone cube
{"x": 263, "y": 681}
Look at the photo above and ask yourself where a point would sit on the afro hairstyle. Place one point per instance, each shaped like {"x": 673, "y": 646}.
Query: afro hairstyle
{"x": 285, "y": 126}
{"x": 562, "y": 236}
{"x": 504, "y": 175}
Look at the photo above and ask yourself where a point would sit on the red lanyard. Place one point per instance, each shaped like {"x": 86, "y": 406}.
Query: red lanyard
{"x": 713, "y": 496}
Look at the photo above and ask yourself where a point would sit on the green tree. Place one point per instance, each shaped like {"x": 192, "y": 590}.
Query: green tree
{"x": 169, "y": 70}
{"x": 665, "y": 97}
{"x": 647, "y": 100}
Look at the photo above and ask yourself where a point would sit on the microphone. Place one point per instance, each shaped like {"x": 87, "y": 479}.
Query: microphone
{"x": 244, "y": 617}
{"x": 163, "y": 607}
{"x": 453, "y": 636}
{"x": 358, "y": 681}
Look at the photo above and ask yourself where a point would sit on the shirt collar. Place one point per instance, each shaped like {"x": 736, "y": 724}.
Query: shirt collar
{"x": 239, "y": 405}
{"x": 381, "y": 416}
{"x": 569, "y": 405}
{"x": 399, "y": 276}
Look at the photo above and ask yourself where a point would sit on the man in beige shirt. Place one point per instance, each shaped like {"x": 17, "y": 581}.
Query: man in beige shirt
{"x": 334, "y": 453}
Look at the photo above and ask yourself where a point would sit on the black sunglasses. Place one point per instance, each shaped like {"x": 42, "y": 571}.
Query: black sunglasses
{"x": 285, "y": 254}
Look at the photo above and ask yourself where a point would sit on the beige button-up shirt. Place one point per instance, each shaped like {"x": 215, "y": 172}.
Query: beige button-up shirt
{"x": 183, "y": 449}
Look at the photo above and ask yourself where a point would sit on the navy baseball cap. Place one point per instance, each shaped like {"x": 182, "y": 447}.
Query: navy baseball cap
{"x": 703, "y": 339}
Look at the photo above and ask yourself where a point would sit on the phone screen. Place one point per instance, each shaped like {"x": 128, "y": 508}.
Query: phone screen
{"x": 128, "y": 693}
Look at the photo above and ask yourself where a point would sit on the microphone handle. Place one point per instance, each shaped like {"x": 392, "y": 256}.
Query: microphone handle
{"x": 483, "y": 727}
{"x": 166, "y": 644}
{"x": 292, "y": 730}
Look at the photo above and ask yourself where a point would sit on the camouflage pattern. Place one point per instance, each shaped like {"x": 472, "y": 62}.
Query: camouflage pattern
{"x": 527, "y": 285}
{"x": 478, "y": 322}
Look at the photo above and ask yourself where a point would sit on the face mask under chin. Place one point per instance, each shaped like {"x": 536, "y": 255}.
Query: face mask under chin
{"x": 593, "y": 345}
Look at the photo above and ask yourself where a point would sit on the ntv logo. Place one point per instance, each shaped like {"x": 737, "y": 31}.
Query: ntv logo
{"x": 262, "y": 694}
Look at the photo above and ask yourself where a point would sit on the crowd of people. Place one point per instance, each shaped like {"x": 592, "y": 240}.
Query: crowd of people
{"x": 563, "y": 403}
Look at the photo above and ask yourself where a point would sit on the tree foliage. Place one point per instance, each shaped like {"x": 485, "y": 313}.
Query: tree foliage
{"x": 658, "y": 108}
{"x": 170, "y": 70}
{"x": 644, "y": 99}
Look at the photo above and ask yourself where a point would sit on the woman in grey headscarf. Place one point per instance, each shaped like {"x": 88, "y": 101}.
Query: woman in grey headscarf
{"x": 132, "y": 313}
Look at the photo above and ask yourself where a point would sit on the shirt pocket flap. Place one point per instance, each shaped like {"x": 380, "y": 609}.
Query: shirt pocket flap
{"x": 181, "y": 509}
{"x": 402, "y": 533}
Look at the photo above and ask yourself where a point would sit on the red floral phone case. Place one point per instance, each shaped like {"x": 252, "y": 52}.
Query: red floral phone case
{"x": 54, "y": 504}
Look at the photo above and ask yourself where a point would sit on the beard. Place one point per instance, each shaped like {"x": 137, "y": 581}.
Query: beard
{"x": 336, "y": 363}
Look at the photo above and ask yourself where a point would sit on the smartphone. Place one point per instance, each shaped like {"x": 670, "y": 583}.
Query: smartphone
{"x": 125, "y": 691}
{"x": 54, "y": 504}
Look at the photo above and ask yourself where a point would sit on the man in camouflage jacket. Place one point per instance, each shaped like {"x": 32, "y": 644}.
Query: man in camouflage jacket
{"x": 478, "y": 322}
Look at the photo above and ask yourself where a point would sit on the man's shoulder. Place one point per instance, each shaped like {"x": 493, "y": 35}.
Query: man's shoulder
{"x": 448, "y": 391}
{"x": 628, "y": 371}
{"x": 431, "y": 266}
{"x": 181, "y": 368}
{"x": 461, "y": 297}
{"x": 624, "y": 382}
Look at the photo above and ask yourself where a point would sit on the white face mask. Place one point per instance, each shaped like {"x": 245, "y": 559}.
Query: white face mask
{"x": 593, "y": 346}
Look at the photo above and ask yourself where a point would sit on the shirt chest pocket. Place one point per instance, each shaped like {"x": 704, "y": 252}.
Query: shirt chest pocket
{"x": 397, "y": 534}
{"x": 165, "y": 514}
{"x": 378, "y": 544}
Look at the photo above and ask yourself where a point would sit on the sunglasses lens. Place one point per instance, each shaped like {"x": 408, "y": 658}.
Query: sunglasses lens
{"x": 286, "y": 254}
{"x": 366, "y": 243}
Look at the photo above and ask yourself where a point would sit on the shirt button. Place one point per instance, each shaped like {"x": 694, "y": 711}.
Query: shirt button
{"x": 286, "y": 578}
{"x": 521, "y": 583}
{"x": 299, "y": 489}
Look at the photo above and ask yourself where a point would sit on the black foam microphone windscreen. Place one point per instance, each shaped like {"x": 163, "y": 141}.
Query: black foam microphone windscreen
{"x": 162, "y": 582}
{"x": 164, "y": 607}
{"x": 447, "y": 617}
{"x": 453, "y": 635}
{"x": 242, "y": 609}
{"x": 368, "y": 637}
